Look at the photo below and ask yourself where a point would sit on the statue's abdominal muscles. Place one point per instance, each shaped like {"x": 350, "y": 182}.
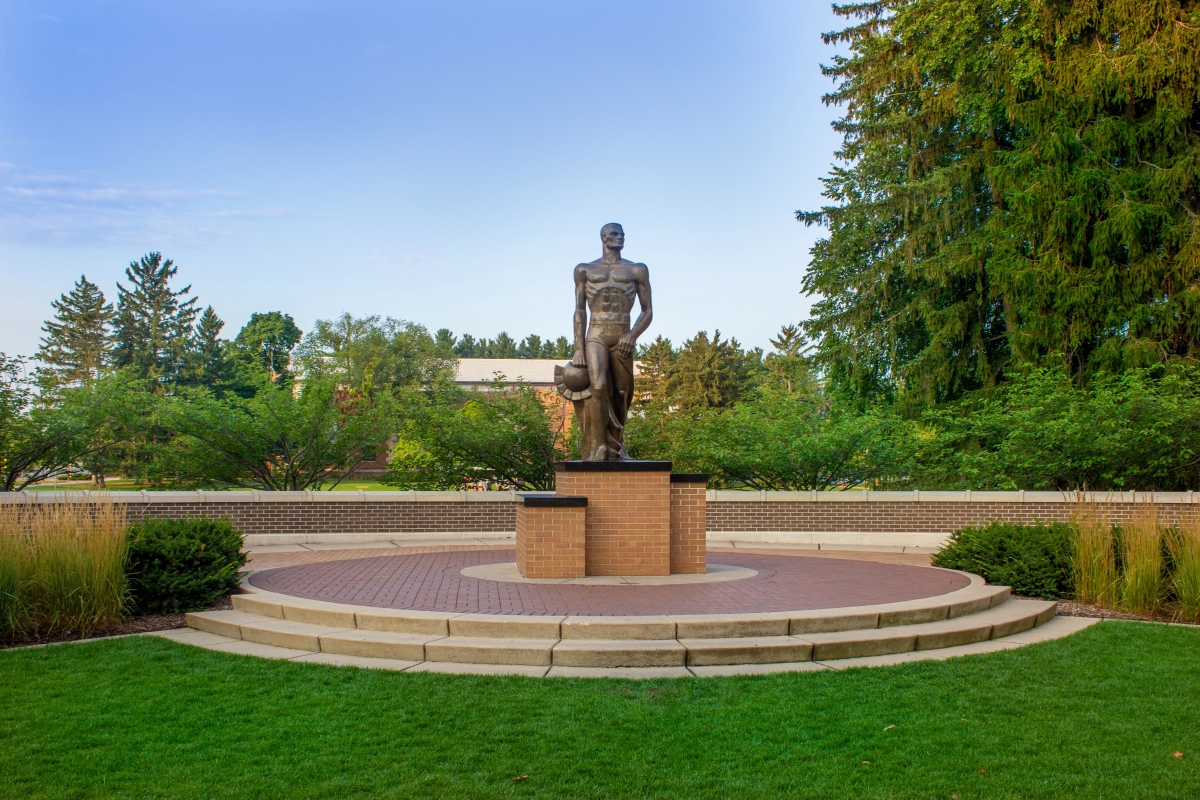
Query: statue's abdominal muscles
{"x": 610, "y": 303}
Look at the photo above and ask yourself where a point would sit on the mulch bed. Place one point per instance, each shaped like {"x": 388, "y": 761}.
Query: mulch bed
{"x": 145, "y": 624}
{"x": 1070, "y": 608}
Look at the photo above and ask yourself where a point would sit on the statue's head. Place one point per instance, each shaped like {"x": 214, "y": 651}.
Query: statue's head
{"x": 613, "y": 236}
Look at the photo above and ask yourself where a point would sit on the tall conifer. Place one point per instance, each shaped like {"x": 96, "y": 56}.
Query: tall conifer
{"x": 76, "y": 345}
{"x": 153, "y": 327}
{"x": 1021, "y": 184}
{"x": 209, "y": 363}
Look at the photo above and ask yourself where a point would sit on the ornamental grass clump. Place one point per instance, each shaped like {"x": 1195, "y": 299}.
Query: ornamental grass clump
{"x": 1184, "y": 544}
{"x": 62, "y": 568}
{"x": 1094, "y": 566}
{"x": 1141, "y": 546}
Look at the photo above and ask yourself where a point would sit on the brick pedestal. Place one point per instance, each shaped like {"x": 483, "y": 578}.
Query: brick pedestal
{"x": 688, "y": 522}
{"x": 550, "y": 537}
{"x": 614, "y": 518}
{"x": 628, "y": 514}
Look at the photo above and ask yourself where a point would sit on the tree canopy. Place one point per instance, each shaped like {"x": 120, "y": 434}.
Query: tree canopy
{"x": 1020, "y": 187}
{"x": 76, "y": 345}
{"x": 153, "y": 324}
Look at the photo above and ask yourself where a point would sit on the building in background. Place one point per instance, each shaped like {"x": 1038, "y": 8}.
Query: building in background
{"x": 479, "y": 374}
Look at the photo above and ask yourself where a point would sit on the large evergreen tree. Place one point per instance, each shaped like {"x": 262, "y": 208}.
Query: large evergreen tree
{"x": 1021, "y": 186}
{"x": 712, "y": 373}
{"x": 76, "y": 345}
{"x": 154, "y": 322}
{"x": 210, "y": 363}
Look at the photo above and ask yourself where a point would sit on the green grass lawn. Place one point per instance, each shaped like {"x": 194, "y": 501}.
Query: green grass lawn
{"x": 1099, "y": 714}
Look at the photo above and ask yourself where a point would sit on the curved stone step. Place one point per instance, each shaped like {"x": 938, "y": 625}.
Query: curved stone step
{"x": 1055, "y": 628}
{"x": 972, "y": 599}
{"x": 1006, "y": 619}
{"x": 491, "y": 650}
{"x": 620, "y": 653}
{"x": 1010, "y": 617}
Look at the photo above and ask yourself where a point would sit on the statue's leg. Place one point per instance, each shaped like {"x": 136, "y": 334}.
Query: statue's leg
{"x": 597, "y": 408}
{"x": 622, "y": 399}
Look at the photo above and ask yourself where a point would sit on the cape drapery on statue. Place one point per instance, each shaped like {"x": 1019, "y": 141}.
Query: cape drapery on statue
{"x": 599, "y": 379}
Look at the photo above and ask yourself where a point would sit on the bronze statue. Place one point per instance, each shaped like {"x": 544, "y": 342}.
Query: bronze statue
{"x": 599, "y": 379}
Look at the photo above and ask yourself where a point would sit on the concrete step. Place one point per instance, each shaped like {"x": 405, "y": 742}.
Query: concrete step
{"x": 1003, "y": 620}
{"x": 1007, "y": 619}
{"x": 491, "y": 650}
{"x": 1055, "y": 628}
{"x": 973, "y": 599}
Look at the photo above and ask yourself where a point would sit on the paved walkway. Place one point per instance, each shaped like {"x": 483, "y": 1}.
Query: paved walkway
{"x": 272, "y": 557}
{"x": 432, "y": 581}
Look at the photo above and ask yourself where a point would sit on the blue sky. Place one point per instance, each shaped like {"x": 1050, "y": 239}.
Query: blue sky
{"x": 442, "y": 162}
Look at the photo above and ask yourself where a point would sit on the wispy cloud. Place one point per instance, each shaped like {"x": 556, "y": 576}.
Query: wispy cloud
{"x": 260, "y": 213}
{"x": 49, "y": 209}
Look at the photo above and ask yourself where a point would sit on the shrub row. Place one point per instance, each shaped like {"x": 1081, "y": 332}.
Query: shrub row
{"x": 80, "y": 568}
{"x": 1141, "y": 567}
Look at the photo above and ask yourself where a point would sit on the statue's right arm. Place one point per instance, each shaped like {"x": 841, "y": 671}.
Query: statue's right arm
{"x": 580, "y": 357}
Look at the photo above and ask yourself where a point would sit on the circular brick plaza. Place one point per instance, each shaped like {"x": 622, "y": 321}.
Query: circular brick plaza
{"x": 434, "y": 582}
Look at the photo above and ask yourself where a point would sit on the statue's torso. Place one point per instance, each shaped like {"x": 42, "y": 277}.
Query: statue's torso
{"x": 611, "y": 291}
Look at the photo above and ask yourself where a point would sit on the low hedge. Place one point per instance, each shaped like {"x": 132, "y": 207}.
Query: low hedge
{"x": 178, "y": 565}
{"x": 1035, "y": 560}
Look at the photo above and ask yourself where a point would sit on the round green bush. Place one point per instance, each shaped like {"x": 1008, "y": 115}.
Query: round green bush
{"x": 178, "y": 565}
{"x": 1035, "y": 560}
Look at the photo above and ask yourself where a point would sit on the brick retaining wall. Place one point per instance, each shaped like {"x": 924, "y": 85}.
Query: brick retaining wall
{"x": 730, "y": 515}
{"x": 917, "y": 512}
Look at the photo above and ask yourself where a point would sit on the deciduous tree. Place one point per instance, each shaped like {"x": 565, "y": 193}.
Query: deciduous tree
{"x": 278, "y": 439}
{"x": 508, "y": 437}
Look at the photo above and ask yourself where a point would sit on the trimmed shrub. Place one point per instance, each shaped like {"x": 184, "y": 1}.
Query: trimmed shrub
{"x": 1035, "y": 560}
{"x": 178, "y": 565}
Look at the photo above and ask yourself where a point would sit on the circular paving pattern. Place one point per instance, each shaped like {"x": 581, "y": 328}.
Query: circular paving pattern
{"x": 507, "y": 572}
{"x": 434, "y": 582}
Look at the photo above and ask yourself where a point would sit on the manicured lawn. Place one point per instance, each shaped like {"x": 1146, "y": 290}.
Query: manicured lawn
{"x": 1097, "y": 715}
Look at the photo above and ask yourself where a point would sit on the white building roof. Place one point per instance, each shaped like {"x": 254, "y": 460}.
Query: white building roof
{"x": 482, "y": 371}
{"x": 538, "y": 371}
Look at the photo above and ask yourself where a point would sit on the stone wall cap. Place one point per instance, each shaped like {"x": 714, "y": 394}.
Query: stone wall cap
{"x": 689, "y": 477}
{"x": 613, "y": 466}
{"x": 543, "y": 501}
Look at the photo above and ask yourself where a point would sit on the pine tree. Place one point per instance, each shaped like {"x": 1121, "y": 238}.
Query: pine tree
{"x": 153, "y": 328}
{"x": 654, "y": 370}
{"x": 787, "y": 364}
{"x": 466, "y": 347}
{"x": 445, "y": 343}
{"x": 711, "y": 373}
{"x": 1019, "y": 188}
{"x": 210, "y": 366}
{"x": 530, "y": 347}
{"x": 502, "y": 346}
{"x": 76, "y": 345}
{"x": 561, "y": 348}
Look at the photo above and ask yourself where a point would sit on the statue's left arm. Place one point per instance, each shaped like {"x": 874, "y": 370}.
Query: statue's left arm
{"x": 628, "y": 342}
